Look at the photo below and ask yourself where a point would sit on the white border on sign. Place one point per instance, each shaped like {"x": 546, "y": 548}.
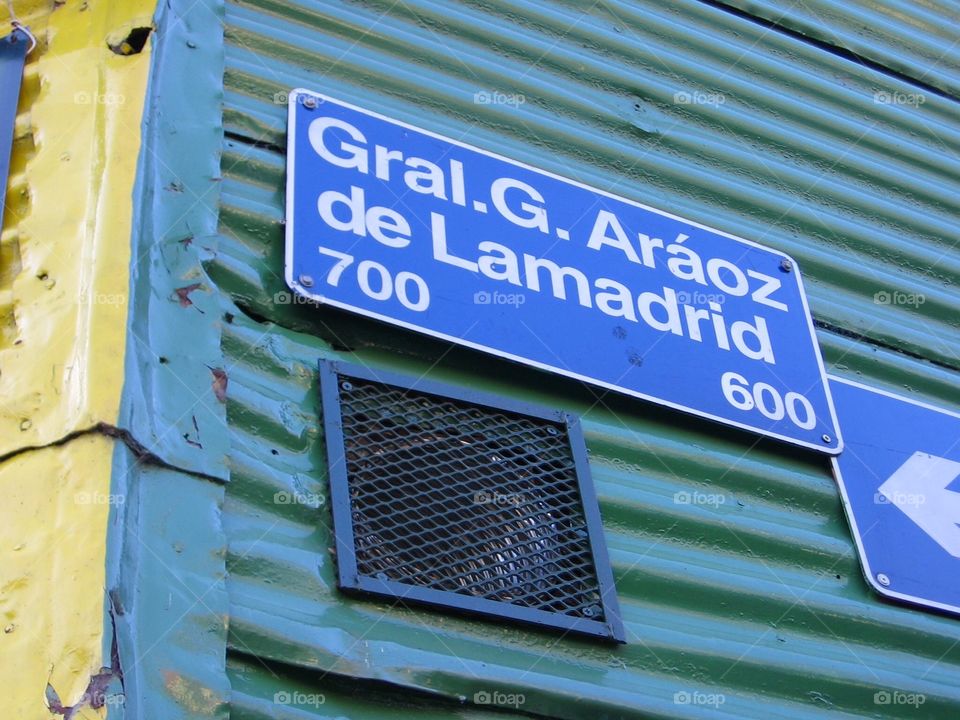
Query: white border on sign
{"x": 848, "y": 510}
{"x": 288, "y": 274}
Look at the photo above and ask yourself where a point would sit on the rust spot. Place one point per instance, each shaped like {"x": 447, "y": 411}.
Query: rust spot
{"x": 183, "y": 294}
{"x": 200, "y": 701}
{"x": 219, "y": 384}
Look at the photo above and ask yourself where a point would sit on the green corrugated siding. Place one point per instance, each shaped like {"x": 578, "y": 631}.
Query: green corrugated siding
{"x": 917, "y": 38}
{"x": 760, "y": 598}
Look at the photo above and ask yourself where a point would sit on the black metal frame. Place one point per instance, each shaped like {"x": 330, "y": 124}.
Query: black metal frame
{"x": 350, "y": 580}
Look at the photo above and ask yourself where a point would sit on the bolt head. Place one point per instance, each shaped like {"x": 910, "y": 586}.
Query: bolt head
{"x": 310, "y": 102}
{"x": 826, "y": 438}
{"x": 786, "y": 265}
{"x": 306, "y": 280}
{"x": 883, "y": 579}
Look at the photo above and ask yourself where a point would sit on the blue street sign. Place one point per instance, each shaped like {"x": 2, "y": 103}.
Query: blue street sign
{"x": 422, "y": 231}
{"x": 900, "y": 481}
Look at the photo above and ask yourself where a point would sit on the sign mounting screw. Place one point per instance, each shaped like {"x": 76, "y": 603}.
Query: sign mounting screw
{"x": 310, "y": 102}
{"x": 786, "y": 265}
{"x": 826, "y": 438}
{"x": 883, "y": 579}
{"x": 306, "y": 280}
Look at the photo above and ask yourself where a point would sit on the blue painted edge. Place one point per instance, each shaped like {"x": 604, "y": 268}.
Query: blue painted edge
{"x": 13, "y": 56}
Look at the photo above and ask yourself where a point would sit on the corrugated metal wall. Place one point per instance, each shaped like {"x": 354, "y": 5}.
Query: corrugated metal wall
{"x": 914, "y": 39}
{"x": 756, "y": 598}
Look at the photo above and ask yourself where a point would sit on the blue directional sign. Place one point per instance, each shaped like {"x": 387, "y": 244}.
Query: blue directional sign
{"x": 416, "y": 229}
{"x": 900, "y": 481}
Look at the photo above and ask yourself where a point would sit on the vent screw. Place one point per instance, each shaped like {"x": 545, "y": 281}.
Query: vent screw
{"x": 551, "y": 430}
{"x": 826, "y": 438}
{"x": 306, "y": 280}
{"x": 310, "y": 102}
{"x": 883, "y": 579}
{"x": 346, "y": 385}
{"x": 786, "y": 265}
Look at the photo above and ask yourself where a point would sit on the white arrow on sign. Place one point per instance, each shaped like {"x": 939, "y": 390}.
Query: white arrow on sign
{"x": 919, "y": 489}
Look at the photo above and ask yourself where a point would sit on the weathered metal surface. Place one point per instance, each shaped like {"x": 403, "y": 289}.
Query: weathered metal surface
{"x": 170, "y": 404}
{"x": 917, "y": 39}
{"x": 55, "y": 506}
{"x": 167, "y": 600}
{"x": 735, "y": 569}
{"x": 64, "y": 255}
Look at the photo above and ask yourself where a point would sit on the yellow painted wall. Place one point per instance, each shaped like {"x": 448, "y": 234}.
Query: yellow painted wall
{"x": 64, "y": 275}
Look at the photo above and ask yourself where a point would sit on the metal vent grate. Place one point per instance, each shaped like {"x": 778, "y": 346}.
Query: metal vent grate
{"x": 464, "y": 502}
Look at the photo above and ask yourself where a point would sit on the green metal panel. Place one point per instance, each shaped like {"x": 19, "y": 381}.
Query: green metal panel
{"x": 756, "y": 597}
{"x": 916, "y": 39}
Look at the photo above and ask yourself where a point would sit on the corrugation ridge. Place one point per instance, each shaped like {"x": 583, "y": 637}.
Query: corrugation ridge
{"x": 766, "y": 669}
{"x": 677, "y": 581}
{"x": 517, "y": 38}
{"x": 687, "y": 142}
{"x": 870, "y": 36}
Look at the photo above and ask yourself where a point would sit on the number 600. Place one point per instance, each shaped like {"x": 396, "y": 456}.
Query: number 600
{"x": 767, "y": 399}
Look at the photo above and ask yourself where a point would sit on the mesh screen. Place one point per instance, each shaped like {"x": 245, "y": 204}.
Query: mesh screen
{"x": 466, "y": 498}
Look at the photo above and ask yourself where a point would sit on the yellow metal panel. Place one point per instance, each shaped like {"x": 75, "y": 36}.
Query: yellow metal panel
{"x": 65, "y": 295}
{"x": 56, "y": 503}
{"x": 64, "y": 259}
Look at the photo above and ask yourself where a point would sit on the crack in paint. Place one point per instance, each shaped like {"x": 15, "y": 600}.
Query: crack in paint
{"x": 143, "y": 455}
